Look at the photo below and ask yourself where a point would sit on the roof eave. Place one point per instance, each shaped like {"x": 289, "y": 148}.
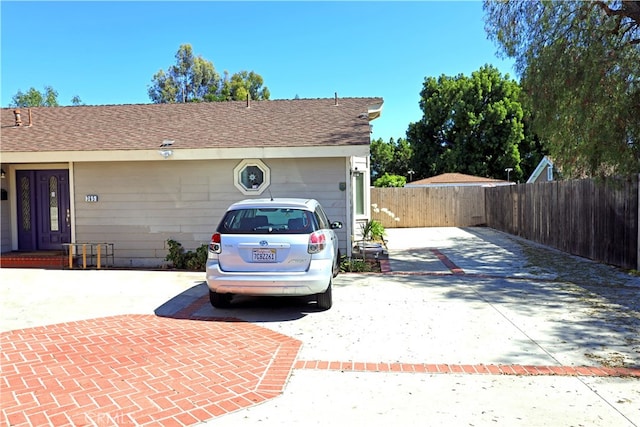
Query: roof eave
{"x": 375, "y": 111}
{"x": 185, "y": 154}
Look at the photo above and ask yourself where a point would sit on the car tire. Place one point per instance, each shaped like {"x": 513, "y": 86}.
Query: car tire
{"x": 219, "y": 300}
{"x": 325, "y": 299}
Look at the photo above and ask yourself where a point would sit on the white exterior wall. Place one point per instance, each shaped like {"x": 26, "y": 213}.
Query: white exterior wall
{"x": 142, "y": 204}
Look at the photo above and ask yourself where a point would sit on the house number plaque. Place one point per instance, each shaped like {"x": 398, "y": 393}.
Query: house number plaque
{"x": 91, "y": 198}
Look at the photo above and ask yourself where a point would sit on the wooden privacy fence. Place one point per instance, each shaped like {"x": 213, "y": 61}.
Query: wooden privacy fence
{"x": 589, "y": 218}
{"x": 457, "y": 206}
{"x": 596, "y": 219}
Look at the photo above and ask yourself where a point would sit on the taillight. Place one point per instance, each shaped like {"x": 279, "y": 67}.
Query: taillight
{"x": 215, "y": 246}
{"x": 317, "y": 242}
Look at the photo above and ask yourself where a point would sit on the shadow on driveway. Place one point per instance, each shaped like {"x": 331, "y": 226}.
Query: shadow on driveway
{"x": 603, "y": 323}
{"x": 593, "y": 282}
{"x": 194, "y": 304}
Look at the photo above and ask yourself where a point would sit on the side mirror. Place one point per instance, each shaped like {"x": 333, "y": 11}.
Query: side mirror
{"x": 335, "y": 225}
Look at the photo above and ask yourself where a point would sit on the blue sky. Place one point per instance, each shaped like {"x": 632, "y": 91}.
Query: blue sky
{"x": 108, "y": 52}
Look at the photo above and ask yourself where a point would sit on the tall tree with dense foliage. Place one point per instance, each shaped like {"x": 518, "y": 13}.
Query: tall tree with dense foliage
{"x": 392, "y": 158}
{"x": 195, "y": 79}
{"x": 472, "y": 125}
{"x": 381, "y": 157}
{"x": 579, "y": 64}
{"x": 245, "y": 83}
{"x": 190, "y": 79}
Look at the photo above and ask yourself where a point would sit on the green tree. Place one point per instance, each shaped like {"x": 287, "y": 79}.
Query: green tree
{"x": 579, "y": 64}
{"x": 531, "y": 148}
{"x": 35, "y": 98}
{"x": 402, "y": 158}
{"x": 381, "y": 157}
{"x": 76, "y": 101}
{"x": 387, "y": 180}
{"x": 390, "y": 157}
{"x": 195, "y": 79}
{"x": 471, "y": 125}
{"x": 189, "y": 80}
{"x": 246, "y": 83}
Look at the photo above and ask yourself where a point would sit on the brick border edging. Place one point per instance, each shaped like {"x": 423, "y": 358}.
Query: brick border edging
{"x": 447, "y": 262}
{"x": 454, "y": 270}
{"x": 491, "y": 369}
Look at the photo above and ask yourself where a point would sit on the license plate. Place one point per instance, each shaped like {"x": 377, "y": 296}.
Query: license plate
{"x": 264, "y": 255}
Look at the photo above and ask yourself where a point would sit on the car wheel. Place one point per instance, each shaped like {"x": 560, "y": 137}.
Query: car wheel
{"x": 219, "y": 300}
{"x": 324, "y": 299}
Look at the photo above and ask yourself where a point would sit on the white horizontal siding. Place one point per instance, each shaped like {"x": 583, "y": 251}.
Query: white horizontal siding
{"x": 142, "y": 204}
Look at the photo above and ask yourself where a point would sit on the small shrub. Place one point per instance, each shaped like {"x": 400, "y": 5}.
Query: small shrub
{"x": 356, "y": 265}
{"x": 176, "y": 254}
{"x": 189, "y": 260}
{"x": 197, "y": 260}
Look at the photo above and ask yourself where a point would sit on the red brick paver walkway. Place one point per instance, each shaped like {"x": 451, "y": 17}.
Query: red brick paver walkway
{"x": 140, "y": 370}
{"x": 522, "y": 370}
{"x": 148, "y": 370}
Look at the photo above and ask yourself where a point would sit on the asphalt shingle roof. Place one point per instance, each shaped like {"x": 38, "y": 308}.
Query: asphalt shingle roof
{"x": 277, "y": 123}
{"x": 454, "y": 178}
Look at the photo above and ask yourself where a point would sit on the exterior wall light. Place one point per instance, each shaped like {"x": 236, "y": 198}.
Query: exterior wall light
{"x": 166, "y": 153}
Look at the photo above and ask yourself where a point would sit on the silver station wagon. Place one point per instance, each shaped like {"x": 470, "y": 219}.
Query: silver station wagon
{"x": 274, "y": 247}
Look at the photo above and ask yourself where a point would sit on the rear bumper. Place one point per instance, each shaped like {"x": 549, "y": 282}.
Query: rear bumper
{"x": 312, "y": 281}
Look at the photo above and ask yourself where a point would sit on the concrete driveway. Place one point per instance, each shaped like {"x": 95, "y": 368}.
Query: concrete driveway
{"x": 470, "y": 327}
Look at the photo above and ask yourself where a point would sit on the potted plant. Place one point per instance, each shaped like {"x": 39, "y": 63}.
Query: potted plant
{"x": 372, "y": 241}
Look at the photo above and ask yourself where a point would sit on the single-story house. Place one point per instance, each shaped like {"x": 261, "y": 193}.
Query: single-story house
{"x": 544, "y": 172}
{"x": 138, "y": 175}
{"x": 457, "y": 179}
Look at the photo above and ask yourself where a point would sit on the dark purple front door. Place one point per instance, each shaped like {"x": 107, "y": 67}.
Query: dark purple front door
{"x": 43, "y": 209}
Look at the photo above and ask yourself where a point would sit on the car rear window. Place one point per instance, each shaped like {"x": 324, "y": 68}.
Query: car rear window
{"x": 267, "y": 220}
